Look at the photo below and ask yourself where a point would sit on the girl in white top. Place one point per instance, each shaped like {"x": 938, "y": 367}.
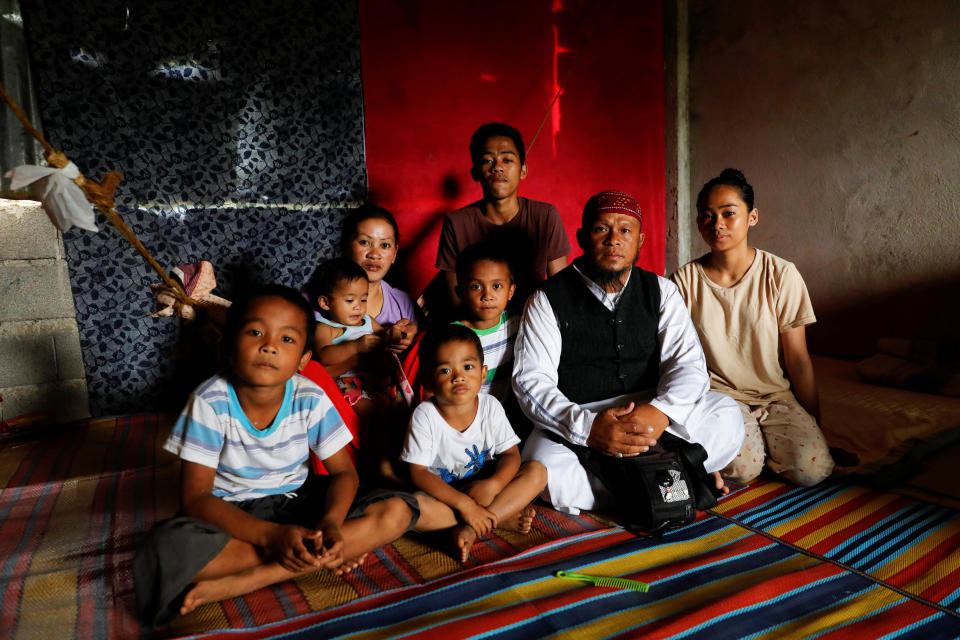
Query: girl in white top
{"x": 751, "y": 309}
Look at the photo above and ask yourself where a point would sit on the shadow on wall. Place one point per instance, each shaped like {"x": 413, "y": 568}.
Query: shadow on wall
{"x": 928, "y": 311}
{"x": 420, "y": 235}
{"x": 431, "y": 76}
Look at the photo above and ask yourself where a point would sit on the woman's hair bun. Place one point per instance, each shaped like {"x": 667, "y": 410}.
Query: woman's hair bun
{"x": 733, "y": 175}
{"x": 730, "y": 178}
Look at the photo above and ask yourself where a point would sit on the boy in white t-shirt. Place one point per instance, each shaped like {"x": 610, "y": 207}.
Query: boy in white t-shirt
{"x": 461, "y": 448}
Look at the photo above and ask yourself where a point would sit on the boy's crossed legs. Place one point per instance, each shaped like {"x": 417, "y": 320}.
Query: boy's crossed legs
{"x": 176, "y": 548}
{"x": 241, "y": 567}
{"x": 511, "y": 507}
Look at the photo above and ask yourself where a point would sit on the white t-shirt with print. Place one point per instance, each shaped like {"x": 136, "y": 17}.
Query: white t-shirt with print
{"x": 451, "y": 454}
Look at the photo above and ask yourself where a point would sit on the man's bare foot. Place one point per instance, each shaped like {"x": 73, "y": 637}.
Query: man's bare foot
{"x": 215, "y": 590}
{"x": 350, "y": 564}
{"x": 463, "y": 538}
{"x": 521, "y": 522}
{"x": 719, "y": 483}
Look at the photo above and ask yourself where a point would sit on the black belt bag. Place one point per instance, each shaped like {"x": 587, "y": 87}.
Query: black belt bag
{"x": 655, "y": 491}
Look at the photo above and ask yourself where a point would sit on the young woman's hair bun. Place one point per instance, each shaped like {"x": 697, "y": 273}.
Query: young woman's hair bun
{"x": 733, "y": 175}
{"x": 728, "y": 178}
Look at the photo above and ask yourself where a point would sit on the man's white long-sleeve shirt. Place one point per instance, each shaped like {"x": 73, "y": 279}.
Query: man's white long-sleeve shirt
{"x": 682, "y": 382}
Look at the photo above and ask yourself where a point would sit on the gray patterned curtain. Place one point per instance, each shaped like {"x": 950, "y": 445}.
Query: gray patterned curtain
{"x": 238, "y": 127}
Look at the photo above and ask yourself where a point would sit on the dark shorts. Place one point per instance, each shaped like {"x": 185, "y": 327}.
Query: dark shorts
{"x": 176, "y": 549}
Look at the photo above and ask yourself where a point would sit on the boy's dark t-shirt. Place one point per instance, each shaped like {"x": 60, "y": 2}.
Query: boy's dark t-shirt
{"x": 534, "y": 237}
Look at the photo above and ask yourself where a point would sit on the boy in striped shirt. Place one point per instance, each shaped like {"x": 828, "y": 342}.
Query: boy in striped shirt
{"x": 250, "y": 516}
{"x": 485, "y": 287}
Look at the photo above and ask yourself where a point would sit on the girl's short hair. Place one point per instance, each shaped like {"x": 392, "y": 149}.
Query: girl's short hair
{"x": 728, "y": 178}
{"x": 328, "y": 275}
{"x": 361, "y": 214}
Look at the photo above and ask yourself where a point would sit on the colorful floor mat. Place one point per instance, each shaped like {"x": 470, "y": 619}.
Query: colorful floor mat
{"x": 772, "y": 561}
{"x": 73, "y": 503}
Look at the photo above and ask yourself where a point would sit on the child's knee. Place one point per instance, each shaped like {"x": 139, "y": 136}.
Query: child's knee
{"x": 392, "y": 514}
{"x": 536, "y": 471}
{"x": 434, "y": 514}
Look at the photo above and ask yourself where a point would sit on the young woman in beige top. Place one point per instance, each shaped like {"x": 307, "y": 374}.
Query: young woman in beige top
{"x": 751, "y": 309}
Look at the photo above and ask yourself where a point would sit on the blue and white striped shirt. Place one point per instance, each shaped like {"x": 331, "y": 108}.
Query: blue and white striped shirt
{"x": 250, "y": 463}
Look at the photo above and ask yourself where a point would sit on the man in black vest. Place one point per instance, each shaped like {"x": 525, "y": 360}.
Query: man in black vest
{"x": 607, "y": 357}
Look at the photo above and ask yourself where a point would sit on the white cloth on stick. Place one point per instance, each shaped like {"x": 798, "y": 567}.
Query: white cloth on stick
{"x": 62, "y": 199}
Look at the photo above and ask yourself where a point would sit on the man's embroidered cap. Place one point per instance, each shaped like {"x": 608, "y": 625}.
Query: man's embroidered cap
{"x": 611, "y": 202}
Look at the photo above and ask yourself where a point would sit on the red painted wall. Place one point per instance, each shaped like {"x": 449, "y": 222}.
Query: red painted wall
{"x": 433, "y": 71}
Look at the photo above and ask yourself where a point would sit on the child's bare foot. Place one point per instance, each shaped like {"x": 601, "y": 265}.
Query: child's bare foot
{"x": 521, "y": 522}
{"x": 720, "y": 484}
{"x": 350, "y": 564}
{"x": 463, "y": 539}
{"x": 215, "y": 590}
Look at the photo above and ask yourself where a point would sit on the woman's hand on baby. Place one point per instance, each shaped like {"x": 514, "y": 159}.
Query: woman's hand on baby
{"x": 400, "y": 335}
{"x": 291, "y": 546}
{"x": 368, "y": 343}
{"x": 481, "y": 519}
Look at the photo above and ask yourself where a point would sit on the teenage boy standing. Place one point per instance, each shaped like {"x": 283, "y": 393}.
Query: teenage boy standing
{"x": 529, "y": 231}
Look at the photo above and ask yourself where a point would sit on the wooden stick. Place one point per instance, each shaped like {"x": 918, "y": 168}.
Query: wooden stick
{"x": 101, "y": 195}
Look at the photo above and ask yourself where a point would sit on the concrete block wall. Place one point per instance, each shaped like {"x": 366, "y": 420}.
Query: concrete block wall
{"x": 41, "y": 367}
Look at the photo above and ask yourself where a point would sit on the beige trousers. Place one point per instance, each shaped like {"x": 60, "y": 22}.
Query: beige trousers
{"x": 784, "y": 436}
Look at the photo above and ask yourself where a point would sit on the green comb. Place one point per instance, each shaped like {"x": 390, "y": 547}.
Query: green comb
{"x": 598, "y": 581}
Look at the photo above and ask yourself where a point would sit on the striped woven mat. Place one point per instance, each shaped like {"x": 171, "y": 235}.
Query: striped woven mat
{"x": 772, "y": 561}
{"x": 73, "y": 503}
